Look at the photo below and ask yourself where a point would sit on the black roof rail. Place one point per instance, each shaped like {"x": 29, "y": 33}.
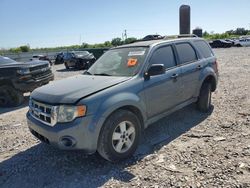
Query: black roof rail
{"x": 181, "y": 36}
{"x": 167, "y": 37}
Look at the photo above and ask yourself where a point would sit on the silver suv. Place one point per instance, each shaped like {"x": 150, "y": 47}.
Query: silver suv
{"x": 128, "y": 88}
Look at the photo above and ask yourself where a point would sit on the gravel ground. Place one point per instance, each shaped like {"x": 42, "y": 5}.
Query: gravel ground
{"x": 185, "y": 149}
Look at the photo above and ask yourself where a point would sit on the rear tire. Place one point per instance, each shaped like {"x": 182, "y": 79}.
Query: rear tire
{"x": 10, "y": 97}
{"x": 119, "y": 136}
{"x": 204, "y": 100}
{"x": 66, "y": 65}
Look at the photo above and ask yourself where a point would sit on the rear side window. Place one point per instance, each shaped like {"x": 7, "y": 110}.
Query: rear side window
{"x": 164, "y": 55}
{"x": 204, "y": 49}
{"x": 186, "y": 53}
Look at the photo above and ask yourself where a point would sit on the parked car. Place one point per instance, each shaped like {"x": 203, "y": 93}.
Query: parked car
{"x": 231, "y": 41}
{"x": 243, "y": 42}
{"x": 41, "y": 57}
{"x": 78, "y": 59}
{"x": 152, "y": 37}
{"x": 128, "y": 88}
{"x": 220, "y": 44}
{"x": 59, "y": 58}
{"x": 17, "y": 78}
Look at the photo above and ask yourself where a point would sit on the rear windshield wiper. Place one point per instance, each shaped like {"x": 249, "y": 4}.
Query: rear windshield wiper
{"x": 102, "y": 74}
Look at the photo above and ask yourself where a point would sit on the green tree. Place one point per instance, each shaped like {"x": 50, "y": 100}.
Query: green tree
{"x": 241, "y": 31}
{"x": 85, "y": 45}
{"x": 130, "y": 40}
{"x": 15, "y": 50}
{"x": 205, "y": 34}
{"x": 107, "y": 44}
{"x": 25, "y": 48}
{"x": 116, "y": 41}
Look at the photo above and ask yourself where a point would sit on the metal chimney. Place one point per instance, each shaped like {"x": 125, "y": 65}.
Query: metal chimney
{"x": 184, "y": 19}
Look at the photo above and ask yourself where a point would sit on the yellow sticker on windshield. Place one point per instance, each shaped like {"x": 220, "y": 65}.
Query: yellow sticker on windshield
{"x": 132, "y": 62}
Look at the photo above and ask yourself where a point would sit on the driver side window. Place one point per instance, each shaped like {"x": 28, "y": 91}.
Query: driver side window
{"x": 164, "y": 55}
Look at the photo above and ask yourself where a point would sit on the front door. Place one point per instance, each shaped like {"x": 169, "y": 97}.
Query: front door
{"x": 162, "y": 92}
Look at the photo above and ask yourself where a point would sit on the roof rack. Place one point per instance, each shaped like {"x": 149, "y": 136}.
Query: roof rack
{"x": 181, "y": 36}
{"x": 167, "y": 37}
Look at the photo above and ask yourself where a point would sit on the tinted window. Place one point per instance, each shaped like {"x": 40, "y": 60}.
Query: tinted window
{"x": 203, "y": 48}
{"x": 186, "y": 53}
{"x": 164, "y": 56}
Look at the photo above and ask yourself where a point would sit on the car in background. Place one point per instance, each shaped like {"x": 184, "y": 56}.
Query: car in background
{"x": 78, "y": 59}
{"x": 41, "y": 57}
{"x": 59, "y": 58}
{"x": 220, "y": 44}
{"x": 18, "y": 78}
{"x": 243, "y": 42}
{"x": 152, "y": 37}
{"x": 230, "y": 40}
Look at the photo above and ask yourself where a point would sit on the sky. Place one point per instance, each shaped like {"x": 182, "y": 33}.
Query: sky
{"x": 51, "y": 23}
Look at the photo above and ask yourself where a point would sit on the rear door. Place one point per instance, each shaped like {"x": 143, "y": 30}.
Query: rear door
{"x": 162, "y": 91}
{"x": 191, "y": 67}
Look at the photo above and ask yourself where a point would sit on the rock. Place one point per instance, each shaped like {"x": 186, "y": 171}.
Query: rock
{"x": 195, "y": 135}
{"x": 17, "y": 125}
{"x": 244, "y": 113}
{"x": 219, "y": 138}
{"x": 161, "y": 158}
{"x": 242, "y": 165}
{"x": 226, "y": 126}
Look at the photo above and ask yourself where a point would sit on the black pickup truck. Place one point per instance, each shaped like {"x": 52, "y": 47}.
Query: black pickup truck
{"x": 17, "y": 78}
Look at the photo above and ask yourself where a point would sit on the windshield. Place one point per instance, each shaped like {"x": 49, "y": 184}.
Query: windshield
{"x": 119, "y": 62}
{"x": 6, "y": 60}
{"x": 82, "y": 53}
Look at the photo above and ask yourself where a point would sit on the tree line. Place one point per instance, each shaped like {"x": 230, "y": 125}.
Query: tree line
{"x": 118, "y": 41}
{"x": 228, "y": 34}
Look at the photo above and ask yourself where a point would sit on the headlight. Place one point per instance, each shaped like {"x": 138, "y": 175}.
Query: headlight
{"x": 23, "y": 71}
{"x": 66, "y": 113}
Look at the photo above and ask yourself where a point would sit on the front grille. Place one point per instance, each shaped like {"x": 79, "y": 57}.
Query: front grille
{"x": 39, "y": 67}
{"x": 42, "y": 112}
{"x": 41, "y": 75}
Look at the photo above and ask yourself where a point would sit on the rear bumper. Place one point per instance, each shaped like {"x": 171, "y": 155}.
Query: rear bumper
{"x": 31, "y": 84}
{"x": 81, "y": 132}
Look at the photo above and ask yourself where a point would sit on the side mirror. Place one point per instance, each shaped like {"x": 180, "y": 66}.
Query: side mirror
{"x": 155, "y": 69}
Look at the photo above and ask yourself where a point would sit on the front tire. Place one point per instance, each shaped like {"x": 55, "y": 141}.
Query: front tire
{"x": 119, "y": 136}
{"x": 204, "y": 100}
{"x": 10, "y": 97}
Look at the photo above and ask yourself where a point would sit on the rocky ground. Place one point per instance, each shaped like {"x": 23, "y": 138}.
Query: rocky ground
{"x": 185, "y": 149}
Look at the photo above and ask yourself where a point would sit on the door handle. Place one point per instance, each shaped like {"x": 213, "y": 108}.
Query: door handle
{"x": 174, "y": 76}
{"x": 199, "y": 67}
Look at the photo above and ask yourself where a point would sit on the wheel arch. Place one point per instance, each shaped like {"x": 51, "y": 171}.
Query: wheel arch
{"x": 210, "y": 79}
{"x": 136, "y": 111}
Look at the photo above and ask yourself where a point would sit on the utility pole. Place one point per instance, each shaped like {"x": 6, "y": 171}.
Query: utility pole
{"x": 125, "y": 34}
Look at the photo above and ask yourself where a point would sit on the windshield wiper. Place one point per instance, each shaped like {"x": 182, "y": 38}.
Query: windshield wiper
{"x": 102, "y": 74}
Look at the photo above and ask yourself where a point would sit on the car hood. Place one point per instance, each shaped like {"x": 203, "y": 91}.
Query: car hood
{"x": 24, "y": 64}
{"x": 71, "y": 90}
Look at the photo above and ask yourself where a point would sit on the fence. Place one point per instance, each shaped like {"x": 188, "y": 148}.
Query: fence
{"x": 26, "y": 56}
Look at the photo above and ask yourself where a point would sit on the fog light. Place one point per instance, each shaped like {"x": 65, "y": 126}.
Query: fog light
{"x": 67, "y": 141}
